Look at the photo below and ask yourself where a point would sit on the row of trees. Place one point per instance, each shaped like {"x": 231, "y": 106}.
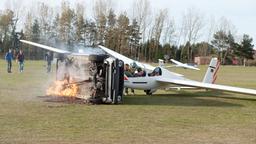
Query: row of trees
{"x": 142, "y": 35}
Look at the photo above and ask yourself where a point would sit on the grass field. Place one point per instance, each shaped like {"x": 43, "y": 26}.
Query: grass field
{"x": 167, "y": 117}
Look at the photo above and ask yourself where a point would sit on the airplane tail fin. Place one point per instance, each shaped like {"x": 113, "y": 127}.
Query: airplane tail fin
{"x": 211, "y": 73}
{"x": 161, "y": 63}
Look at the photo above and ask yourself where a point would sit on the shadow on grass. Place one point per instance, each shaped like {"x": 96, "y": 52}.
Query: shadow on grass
{"x": 208, "y": 99}
{"x": 236, "y": 98}
{"x": 183, "y": 98}
{"x": 224, "y": 95}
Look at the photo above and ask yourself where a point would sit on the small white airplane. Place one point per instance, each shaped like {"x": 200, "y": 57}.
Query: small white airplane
{"x": 179, "y": 64}
{"x": 159, "y": 77}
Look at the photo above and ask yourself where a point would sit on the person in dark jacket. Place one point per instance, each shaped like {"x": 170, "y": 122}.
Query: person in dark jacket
{"x": 8, "y": 58}
{"x": 49, "y": 58}
{"x": 20, "y": 59}
{"x": 129, "y": 73}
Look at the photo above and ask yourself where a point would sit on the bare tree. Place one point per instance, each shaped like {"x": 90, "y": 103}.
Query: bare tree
{"x": 15, "y": 6}
{"x": 141, "y": 12}
{"x": 169, "y": 31}
{"x": 28, "y": 25}
{"x": 212, "y": 28}
{"x": 45, "y": 18}
{"x": 28, "y": 32}
{"x": 157, "y": 30}
{"x": 192, "y": 25}
{"x": 226, "y": 26}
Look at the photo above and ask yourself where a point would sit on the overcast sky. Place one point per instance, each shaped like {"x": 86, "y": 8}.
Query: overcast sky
{"x": 242, "y": 13}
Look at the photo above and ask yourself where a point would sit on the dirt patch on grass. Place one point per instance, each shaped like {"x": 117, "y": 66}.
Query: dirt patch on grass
{"x": 65, "y": 100}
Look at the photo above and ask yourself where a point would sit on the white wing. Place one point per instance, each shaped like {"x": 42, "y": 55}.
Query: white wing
{"x": 46, "y": 47}
{"x": 126, "y": 59}
{"x": 179, "y": 64}
{"x": 190, "y": 83}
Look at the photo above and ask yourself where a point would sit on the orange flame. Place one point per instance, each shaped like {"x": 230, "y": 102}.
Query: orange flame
{"x": 63, "y": 88}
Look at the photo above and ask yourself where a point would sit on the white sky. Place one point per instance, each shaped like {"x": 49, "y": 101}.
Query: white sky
{"x": 242, "y": 13}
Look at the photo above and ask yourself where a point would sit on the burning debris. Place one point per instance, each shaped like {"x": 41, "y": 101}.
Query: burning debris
{"x": 63, "y": 88}
{"x": 68, "y": 82}
{"x": 94, "y": 79}
{"x": 91, "y": 75}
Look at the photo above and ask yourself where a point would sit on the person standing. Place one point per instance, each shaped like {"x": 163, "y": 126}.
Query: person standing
{"x": 20, "y": 59}
{"x": 129, "y": 73}
{"x": 8, "y": 58}
{"x": 49, "y": 58}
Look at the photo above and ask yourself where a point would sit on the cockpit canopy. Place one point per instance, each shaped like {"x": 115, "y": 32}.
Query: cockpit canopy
{"x": 156, "y": 72}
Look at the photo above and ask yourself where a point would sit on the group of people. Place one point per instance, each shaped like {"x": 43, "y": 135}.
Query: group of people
{"x": 10, "y": 56}
{"x": 133, "y": 71}
{"x": 19, "y": 58}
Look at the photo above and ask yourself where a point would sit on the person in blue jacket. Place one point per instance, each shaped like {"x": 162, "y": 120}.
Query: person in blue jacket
{"x": 8, "y": 58}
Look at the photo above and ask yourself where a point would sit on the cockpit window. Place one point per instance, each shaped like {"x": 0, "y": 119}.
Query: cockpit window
{"x": 156, "y": 72}
{"x": 139, "y": 73}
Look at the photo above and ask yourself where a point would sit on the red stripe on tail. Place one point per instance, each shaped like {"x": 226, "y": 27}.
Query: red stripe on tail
{"x": 215, "y": 73}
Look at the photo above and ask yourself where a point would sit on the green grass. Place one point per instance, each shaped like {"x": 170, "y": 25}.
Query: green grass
{"x": 195, "y": 116}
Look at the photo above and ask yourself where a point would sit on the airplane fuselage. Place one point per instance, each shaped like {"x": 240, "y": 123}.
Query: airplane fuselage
{"x": 150, "y": 83}
{"x": 142, "y": 83}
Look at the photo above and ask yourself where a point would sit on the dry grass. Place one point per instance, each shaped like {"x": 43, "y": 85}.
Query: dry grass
{"x": 167, "y": 117}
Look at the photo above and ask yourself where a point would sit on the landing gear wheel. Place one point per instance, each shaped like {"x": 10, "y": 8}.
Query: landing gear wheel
{"x": 148, "y": 92}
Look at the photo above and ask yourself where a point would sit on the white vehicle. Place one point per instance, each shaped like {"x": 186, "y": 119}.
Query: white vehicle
{"x": 98, "y": 78}
{"x": 159, "y": 77}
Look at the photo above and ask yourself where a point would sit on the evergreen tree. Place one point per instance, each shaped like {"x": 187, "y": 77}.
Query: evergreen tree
{"x": 66, "y": 23}
{"x": 245, "y": 49}
{"x": 123, "y": 34}
{"x": 36, "y": 53}
{"x": 135, "y": 37}
{"x": 110, "y": 37}
{"x": 80, "y": 29}
{"x": 221, "y": 42}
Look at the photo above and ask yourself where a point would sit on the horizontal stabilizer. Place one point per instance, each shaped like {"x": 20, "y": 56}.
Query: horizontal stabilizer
{"x": 179, "y": 64}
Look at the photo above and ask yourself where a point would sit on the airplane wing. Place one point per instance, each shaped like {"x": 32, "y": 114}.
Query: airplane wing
{"x": 179, "y": 64}
{"x": 190, "y": 83}
{"x": 46, "y": 47}
{"x": 126, "y": 59}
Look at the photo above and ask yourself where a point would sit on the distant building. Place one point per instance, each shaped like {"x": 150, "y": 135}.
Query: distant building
{"x": 202, "y": 60}
{"x": 235, "y": 61}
